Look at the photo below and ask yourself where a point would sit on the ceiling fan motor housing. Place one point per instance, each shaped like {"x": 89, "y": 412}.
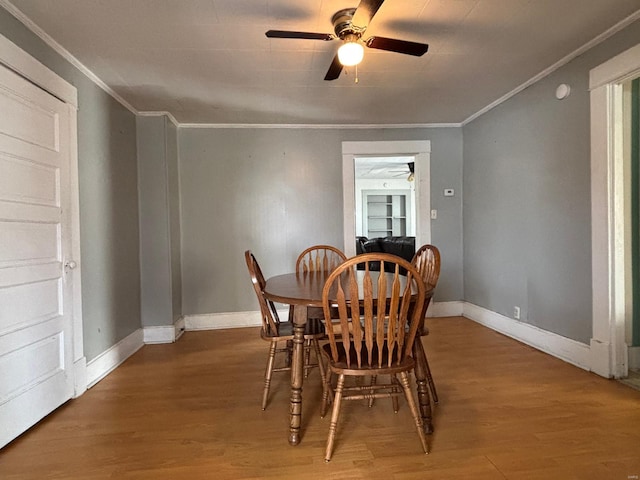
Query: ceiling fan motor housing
{"x": 342, "y": 25}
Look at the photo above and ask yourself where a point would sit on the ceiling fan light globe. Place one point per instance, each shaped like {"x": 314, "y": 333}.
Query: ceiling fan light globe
{"x": 350, "y": 54}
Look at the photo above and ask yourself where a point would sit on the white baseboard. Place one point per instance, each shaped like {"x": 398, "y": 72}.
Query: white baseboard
{"x": 165, "y": 333}
{"x": 445, "y": 309}
{"x": 561, "y": 347}
{"x": 180, "y": 328}
{"x": 108, "y": 360}
{"x": 216, "y": 321}
{"x": 601, "y": 358}
{"x": 79, "y": 377}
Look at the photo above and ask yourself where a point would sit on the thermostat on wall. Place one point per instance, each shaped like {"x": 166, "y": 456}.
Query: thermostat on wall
{"x": 448, "y": 192}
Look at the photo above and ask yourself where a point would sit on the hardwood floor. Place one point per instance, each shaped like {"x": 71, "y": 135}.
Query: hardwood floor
{"x": 192, "y": 410}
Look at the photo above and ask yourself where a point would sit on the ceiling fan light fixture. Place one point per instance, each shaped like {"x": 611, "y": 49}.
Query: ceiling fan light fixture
{"x": 350, "y": 53}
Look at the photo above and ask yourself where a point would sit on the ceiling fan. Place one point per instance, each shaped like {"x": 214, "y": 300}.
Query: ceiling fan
{"x": 349, "y": 26}
{"x": 409, "y": 170}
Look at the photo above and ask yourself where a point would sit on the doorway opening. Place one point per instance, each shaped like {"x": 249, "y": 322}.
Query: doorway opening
{"x": 385, "y": 196}
{"x": 631, "y": 134}
{"x": 418, "y": 205}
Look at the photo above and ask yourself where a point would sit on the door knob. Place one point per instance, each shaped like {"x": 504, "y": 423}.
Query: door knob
{"x": 70, "y": 265}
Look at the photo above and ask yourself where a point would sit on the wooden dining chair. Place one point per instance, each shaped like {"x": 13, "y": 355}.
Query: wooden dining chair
{"x": 427, "y": 262}
{"x": 319, "y": 257}
{"x": 274, "y": 331}
{"x": 313, "y": 259}
{"x": 379, "y": 340}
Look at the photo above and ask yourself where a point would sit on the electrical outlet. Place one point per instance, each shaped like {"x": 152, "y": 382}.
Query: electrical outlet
{"x": 516, "y": 313}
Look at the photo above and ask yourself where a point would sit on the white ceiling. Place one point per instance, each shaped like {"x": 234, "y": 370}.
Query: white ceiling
{"x": 208, "y": 61}
{"x": 382, "y": 167}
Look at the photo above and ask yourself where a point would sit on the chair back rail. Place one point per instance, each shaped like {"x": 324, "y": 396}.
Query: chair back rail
{"x": 319, "y": 258}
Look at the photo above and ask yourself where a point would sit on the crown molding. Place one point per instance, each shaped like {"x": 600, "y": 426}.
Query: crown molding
{"x": 320, "y": 126}
{"x": 64, "y": 53}
{"x": 560, "y": 63}
{"x": 161, "y": 114}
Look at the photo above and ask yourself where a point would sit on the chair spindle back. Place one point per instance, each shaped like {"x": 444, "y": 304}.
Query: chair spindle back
{"x": 427, "y": 262}
{"x": 387, "y": 315}
{"x": 319, "y": 258}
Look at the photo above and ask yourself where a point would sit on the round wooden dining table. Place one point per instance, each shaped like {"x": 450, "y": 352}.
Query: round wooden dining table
{"x": 304, "y": 290}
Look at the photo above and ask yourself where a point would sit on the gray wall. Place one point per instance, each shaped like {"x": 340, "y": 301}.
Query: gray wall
{"x": 278, "y": 191}
{"x": 108, "y": 200}
{"x": 159, "y": 221}
{"x": 527, "y": 210}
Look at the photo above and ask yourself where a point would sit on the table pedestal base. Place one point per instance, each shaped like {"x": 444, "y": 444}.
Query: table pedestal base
{"x": 297, "y": 373}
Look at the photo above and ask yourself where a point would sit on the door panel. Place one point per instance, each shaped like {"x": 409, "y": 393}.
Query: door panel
{"x": 18, "y": 311}
{"x": 35, "y": 296}
{"x": 23, "y": 181}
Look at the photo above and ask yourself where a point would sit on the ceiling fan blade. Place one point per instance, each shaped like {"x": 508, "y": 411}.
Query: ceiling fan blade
{"x": 334, "y": 69}
{"x": 365, "y": 12}
{"x": 301, "y": 35}
{"x": 398, "y": 46}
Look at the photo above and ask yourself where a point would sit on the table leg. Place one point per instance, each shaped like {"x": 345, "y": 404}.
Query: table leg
{"x": 424, "y": 401}
{"x": 297, "y": 370}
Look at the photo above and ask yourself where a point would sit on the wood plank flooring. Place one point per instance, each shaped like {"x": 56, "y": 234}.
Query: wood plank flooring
{"x": 192, "y": 410}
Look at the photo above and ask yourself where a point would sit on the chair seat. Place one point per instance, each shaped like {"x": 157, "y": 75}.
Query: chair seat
{"x": 341, "y": 365}
{"x": 314, "y": 328}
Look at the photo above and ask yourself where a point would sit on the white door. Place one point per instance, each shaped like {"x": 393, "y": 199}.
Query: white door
{"x": 36, "y": 369}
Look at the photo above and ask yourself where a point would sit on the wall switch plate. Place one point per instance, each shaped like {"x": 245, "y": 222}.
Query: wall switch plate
{"x": 449, "y": 192}
{"x": 434, "y": 214}
{"x": 516, "y": 313}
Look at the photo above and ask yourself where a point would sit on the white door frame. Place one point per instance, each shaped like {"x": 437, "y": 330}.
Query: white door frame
{"x": 28, "y": 67}
{"x": 608, "y": 346}
{"x": 421, "y": 150}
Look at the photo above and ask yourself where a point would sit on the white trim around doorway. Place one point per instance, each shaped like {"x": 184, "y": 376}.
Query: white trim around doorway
{"x": 609, "y": 356}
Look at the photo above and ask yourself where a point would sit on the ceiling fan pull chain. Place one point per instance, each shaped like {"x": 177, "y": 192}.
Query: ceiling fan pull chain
{"x": 356, "y": 80}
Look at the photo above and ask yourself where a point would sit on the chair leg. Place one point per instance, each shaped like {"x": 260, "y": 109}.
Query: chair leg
{"x": 404, "y": 380}
{"x": 316, "y": 347}
{"x": 374, "y": 379}
{"x": 430, "y": 382}
{"x": 307, "y": 357}
{"x": 337, "y": 400}
{"x": 421, "y": 374}
{"x": 289, "y": 356}
{"x": 269, "y": 372}
{"x": 326, "y": 393}
{"x": 394, "y": 399}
